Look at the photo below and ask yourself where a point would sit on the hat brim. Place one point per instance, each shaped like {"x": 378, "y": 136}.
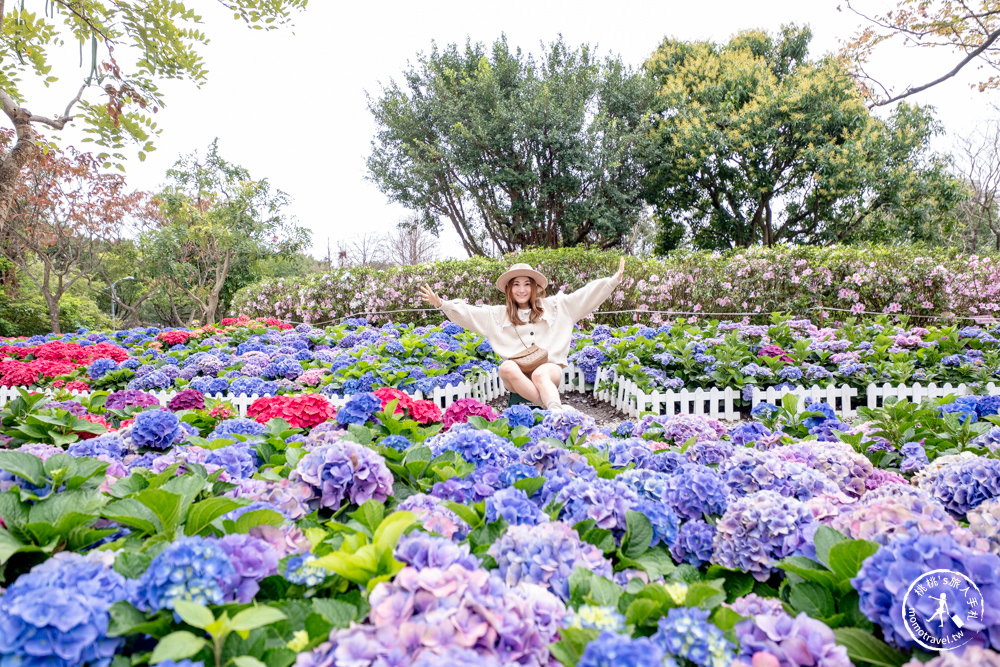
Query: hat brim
{"x": 539, "y": 279}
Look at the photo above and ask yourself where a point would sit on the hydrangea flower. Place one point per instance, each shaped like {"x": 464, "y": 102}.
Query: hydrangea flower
{"x": 344, "y": 470}
{"x": 793, "y": 641}
{"x": 884, "y": 578}
{"x": 611, "y": 649}
{"x": 460, "y": 411}
{"x": 546, "y": 554}
{"x": 914, "y": 457}
{"x": 514, "y": 507}
{"x": 694, "y": 491}
{"x": 963, "y": 485}
{"x": 100, "y": 367}
{"x": 595, "y": 617}
{"x": 421, "y": 550}
{"x": 187, "y": 399}
{"x": 109, "y": 445}
{"x": 686, "y": 633}
{"x": 300, "y": 570}
{"x": 483, "y": 448}
{"x": 119, "y": 400}
{"x": 746, "y": 433}
{"x": 604, "y": 500}
{"x": 156, "y": 428}
{"x": 970, "y": 655}
{"x": 239, "y": 460}
{"x": 837, "y": 460}
{"x": 194, "y": 569}
{"x": 758, "y": 530}
{"x": 693, "y": 544}
{"x": 252, "y": 559}
{"x": 359, "y": 408}
{"x": 752, "y": 470}
{"x": 435, "y": 517}
{"x": 237, "y": 426}
{"x": 519, "y": 415}
{"x": 984, "y": 522}
{"x": 57, "y": 614}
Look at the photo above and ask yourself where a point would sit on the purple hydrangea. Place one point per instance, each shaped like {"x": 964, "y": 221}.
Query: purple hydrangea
{"x": 119, "y": 400}
{"x": 109, "y": 444}
{"x": 709, "y": 452}
{"x": 546, "y": 555}
{"x": 239, "y": 460}
{"x": 514, "y": 507}
{"x": 57, "y": 614}
{"x": 793, "y": 641}
{"x": 663, "y": 520}
{"x": 747, "y": 433}
{"x": 344, "y": 469}
{"x": 604, "y": 500}
{"x": 611, "y": 649}
{"x": 885, "y": 577}
{"x": 188, "y": 399}
{"x": 693, "y": 544}
{"x": 694, "y": 491}
{"x": 421, "y": 550}
{"x": 914, "y": 457}
{"x": 752, "y": 470}
{"x": 435, "y": 517}
{"x": 837, "y": 460}
{"x": 971, "y": 655}
{"x": 252, "y": 559}
{"x": 158, "y": 429}
{"x": 195, "y": 569}
{"x": 73, "y": 407}
{"x": 156, "y": 379}
{"x": 250, "y": 386}
{"x": 758, "y": 530}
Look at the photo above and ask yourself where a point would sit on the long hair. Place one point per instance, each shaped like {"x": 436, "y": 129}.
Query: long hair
{"x": 535, "y": 302}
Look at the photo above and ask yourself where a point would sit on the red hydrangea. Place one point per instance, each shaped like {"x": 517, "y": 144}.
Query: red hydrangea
{"x": 425, "y": 412}
{"x": 176, "y": 337}
{"x": 388, "y": 394}
{"x": 271, "y": 322}
{"x": 77, "y": 385}
{"x": 94, "y": 419}
{"x": 460, "y": 411}
{"x": 301, "y": 411}
{"x": 17, "y": 374}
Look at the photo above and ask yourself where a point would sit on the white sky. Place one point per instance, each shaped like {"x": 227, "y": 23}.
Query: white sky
{"x": 290, "y": 105}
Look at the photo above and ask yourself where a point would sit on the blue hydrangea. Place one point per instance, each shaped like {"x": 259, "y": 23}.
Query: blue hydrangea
{"x": 100, "y": 367}
{"x": 210, "y": 385}
{"x": 481, "y": 447}
{"x": 519, "y": 415}
{"x": 885, "y": 577}
{"x": 988, "y": 405}
{"x": 763, "y": 410}
{"x": 150, "y": 381}
{"x": 299, "y": 569}
{"x": 588, "y": 359}
{"x": 747, "y": 433}
{"x": 663, "y": 519}
{"x": 516, "y": 472}
{"x": 694, "y": 543}
{"x": 237, "y": 426}
{"x": 131, "y": 363}
{"x": 158, "y": 429}
{"x": 398, "y": 442}
{"x": 914, "y": 457}
{"x": 596, "y": 617}
{"x": 694, "y": 491}
{"x": 57, "y": 614}
{"x": 284, "y": 367}
{"x": 194, "y": 569}
{"x": 623, "y": 430}
{"x": 611, "y": 649}
{"x": 686, "y": 633}
{"x": 604, "y": 500}
{"x": 965, "y": 484}
{"x": 817, "y": 406}
{"x": 109, "y": 445}
{"x": 514, "y": 507}
{"x": 239, "y": 460}
{"x": 359, "y": 408}
{"x": 252, "y": 387}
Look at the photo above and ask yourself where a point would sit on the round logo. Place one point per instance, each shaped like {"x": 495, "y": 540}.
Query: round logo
{"x": 943, "y": 610}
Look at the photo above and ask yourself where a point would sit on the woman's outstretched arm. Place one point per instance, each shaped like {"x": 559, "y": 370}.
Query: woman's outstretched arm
{"x": 473, "y": 318}
{"x": 586, "y": 299}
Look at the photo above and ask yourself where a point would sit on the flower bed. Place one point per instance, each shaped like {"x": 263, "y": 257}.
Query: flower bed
{"x": 387, "y": 533}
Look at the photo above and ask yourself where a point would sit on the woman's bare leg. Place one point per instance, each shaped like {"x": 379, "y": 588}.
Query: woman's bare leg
{"x": 516, "y": 381}
{"x": 547, "y": 379}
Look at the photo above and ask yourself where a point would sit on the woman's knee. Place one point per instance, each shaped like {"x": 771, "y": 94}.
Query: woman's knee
{"x": 509, "y": 370}
{"x": 547, "y": 374}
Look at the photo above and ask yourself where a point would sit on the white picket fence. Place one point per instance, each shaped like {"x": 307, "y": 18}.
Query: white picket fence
{"x": 917, "y": 392}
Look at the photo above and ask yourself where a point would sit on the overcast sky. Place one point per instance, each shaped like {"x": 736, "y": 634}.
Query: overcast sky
{"x": 290, "y": 105}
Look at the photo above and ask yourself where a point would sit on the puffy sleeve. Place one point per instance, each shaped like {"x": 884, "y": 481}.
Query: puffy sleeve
{"x": 585, "y": 300}
{"x": 474, "y": 318}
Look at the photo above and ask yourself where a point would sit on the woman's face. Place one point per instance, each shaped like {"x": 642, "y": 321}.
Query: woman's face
{"x": 521, "y": 289}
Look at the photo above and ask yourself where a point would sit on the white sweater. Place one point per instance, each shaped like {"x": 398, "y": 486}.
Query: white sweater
{"x": 552, "y": 331}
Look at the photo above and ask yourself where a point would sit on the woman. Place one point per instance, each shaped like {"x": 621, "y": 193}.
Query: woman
{"x": 529, "y": 317}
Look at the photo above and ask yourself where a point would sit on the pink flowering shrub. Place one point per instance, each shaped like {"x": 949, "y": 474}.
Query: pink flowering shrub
{"x": 460, "y": 411}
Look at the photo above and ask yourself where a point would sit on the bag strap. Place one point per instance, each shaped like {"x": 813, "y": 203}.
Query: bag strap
{"x": 519, "y": 336}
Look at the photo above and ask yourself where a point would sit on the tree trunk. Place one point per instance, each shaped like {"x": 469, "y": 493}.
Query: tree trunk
{"x": 15, "y": 159}
{"x": 53, "y": 303}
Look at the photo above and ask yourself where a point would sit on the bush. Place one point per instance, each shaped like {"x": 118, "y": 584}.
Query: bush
{"x": 802, "y": 280}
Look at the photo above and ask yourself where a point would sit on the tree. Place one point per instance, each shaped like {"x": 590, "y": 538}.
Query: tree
{"x": 217, "y": 223}
{"x": 134, "y": 45}
{"x": 67, "y": 212}
{"x": 514, "y": 152}
{"x": 410, "y": 243}
{"x": 979, "y": 161}
{"x": 970, "y": 29}
{"x": 754, "y": 143}
{"x": 364, "y": 249}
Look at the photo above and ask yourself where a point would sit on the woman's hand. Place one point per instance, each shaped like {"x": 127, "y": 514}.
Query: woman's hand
{"x": 428, "y": 295}
{"x": 621, "y": 270}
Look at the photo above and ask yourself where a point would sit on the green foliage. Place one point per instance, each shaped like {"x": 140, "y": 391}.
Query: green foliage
{"x": 516, "y": 151}
{"x": 130, "y": 47}
{"x": 755, "y": 143}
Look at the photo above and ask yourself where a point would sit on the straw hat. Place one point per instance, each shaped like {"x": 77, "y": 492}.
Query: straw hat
{"x": 518, "y": 270}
